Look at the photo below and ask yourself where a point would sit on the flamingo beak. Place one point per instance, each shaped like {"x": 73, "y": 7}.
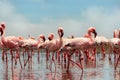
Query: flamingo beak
{"x": 95, "y": 33}
{"x": 61, "y": 33}
{"x": 49, "y": 38}
{"x": 44, "y": 39}
{"x": 1, "y": 31}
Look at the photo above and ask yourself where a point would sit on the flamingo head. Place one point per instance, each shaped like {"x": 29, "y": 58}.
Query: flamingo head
{"x": 2, "y": 28}
{"x": 93, "y": 30}
{"x": 42, "y": 37}
{"x": 60, "y": 31}
{"x": 50, "y": 36}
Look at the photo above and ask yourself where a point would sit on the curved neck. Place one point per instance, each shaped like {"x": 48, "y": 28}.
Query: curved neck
{"x": 60, "y": 39}
{"x": 115, "y": 34}
{"x": 90, "y": 35}
{"x": 3, "y": 37}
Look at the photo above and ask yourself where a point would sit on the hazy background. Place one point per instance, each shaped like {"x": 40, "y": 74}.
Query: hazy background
{"x": 35, "y": 17}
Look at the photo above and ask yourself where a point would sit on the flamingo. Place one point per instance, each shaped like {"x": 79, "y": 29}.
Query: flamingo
{"x": 41, "y": 40}
{"x": 114, "y": 45}
{"x": 102, "y": 42}
{"x": 82, "y": 42}
{"x": 50, "y": 37}
{"x": 53, "y": 45}
{"x": 10, "y": 42}
{"x": 4, "y": 50}
{"x": 31, "y": 44}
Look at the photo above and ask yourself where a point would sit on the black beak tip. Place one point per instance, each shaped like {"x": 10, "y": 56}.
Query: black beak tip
{"x": 62, "y": 34}
{"x": 1, "y": 31}
{"x": 95, "y": 33}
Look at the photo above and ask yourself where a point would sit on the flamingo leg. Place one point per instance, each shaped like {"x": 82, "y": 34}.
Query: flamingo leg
{"x": 11, "y": 54}
{"x": 3, "y": 53}
{"x": 28, "y": 58}
{"x": 69, "y": 59}
{"x": 38, "y": 56}
{"x": 109, "y": 57}
{"x": 103, "y": 51}
{"x": 47, "y": 55}
{"x": 6, "y": 57}
{"x": 117, "y": 62}
{"x": 80, "y": 61}
{"x": 20, "y": 63}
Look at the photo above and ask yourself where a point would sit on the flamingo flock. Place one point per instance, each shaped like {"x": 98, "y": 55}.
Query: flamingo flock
{"x": 85, "y": 48}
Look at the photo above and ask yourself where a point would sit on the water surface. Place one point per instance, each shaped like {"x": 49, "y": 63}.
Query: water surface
{"x": 41, "y": 70}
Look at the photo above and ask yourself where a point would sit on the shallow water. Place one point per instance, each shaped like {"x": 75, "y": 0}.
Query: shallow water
{"x": 40, "y": 70}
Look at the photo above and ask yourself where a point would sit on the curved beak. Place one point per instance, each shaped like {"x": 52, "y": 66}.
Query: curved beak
{"x": 49, "y": 38}
{"x": 1, "y": 31}
{"x": 44, "y": 39}
{"x": 61, "y": 33}
{"x": 95, "y": 33}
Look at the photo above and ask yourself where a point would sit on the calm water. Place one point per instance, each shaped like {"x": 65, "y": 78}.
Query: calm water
{"x": 41, "y": 70}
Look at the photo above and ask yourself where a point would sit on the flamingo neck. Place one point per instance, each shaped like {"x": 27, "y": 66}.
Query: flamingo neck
{"x": 59, "y": 42}
{"x": 90, "y": 35}
{"x": 115, "y": 35}
{"x": 3, "y": 38}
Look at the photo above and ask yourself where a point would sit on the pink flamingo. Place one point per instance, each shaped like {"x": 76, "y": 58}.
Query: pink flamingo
{"x": 102, "y": 43}
{"x": 83, "y": 42}
{"x": 53, "y": 45}
{"x": 50, "y": 37}
{"x": 4, "y": 50}
{"x": 10, "y": 42}
{"x": 114, "y": 46}
{"x": 41, "y": 39}
{"x": 31, "y": 44}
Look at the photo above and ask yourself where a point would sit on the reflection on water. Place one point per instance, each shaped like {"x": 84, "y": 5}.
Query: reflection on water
{"x": 39, "y": 69}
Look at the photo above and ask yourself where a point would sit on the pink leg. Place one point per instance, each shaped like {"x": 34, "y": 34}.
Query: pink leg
{"x": 38, "y": 56}
{"x": 11, "y": 52}
{"x": 17, "y": 54}
{"x": 53, "y": 56}
{"x": 58, "y": 56}
{"x": 93, "y": 58}
{"x": 47, "y": 55}
{"x": 103, "y": 51}
{"x": 117, "y": 62}
{"x": 109, "y": 57}
{"x": 69, "y": 58}
{"x": 3, "y": 53}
